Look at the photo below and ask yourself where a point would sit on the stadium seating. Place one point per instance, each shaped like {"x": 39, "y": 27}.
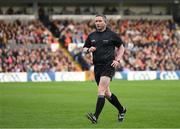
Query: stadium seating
{"x": 150, "y": 44}
{"x": 27, "y": 47}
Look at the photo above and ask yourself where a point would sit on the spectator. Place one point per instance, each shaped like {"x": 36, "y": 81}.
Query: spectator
{"x": 1, "y": 12}
{"x": 35, "y": 60}
{"x": 10, "y": 10}
{"x": 77, "y": 10}
{"x": 151, "y": 44}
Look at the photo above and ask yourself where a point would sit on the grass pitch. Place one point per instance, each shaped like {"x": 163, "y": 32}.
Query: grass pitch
{"x": 150, "y": 104}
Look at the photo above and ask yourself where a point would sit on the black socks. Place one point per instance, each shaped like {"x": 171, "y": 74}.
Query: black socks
{"x": 114, "y": 101}
{"x": 101, "y": 101}
{"x": 99, "y": 105}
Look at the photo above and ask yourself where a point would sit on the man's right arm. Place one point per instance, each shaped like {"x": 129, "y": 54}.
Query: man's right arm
{"x": 88, "y": 50}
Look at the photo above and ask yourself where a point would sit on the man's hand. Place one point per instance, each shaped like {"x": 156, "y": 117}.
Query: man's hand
{"x": 115, "y": 64}
{"x": 91, "y": 49}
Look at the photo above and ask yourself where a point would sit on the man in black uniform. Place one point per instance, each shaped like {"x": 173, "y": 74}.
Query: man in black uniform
{"x": 107, "y": 50}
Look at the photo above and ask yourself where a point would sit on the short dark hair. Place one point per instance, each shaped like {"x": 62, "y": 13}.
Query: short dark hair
{"x": 103, "y": 16}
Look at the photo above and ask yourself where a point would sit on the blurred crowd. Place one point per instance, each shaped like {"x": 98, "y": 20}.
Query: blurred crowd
{"x": 150, "y": 44}
{"x": 17, "y": 56}
{"x": 31, "y": 32}
{"x": 10, "y": 10}
{"x": 34, "y": 60}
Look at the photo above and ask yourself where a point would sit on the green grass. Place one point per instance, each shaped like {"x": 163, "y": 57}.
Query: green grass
{"x": 150, "y": 104}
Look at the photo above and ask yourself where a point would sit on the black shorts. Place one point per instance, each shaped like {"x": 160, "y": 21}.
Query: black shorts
{"x": 103, "y": 70}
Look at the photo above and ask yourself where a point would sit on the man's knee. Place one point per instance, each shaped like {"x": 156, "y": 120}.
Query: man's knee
{"x": 103, "y": 85}
{"x": 101, "y": 90}
{"x": 108, "y": 94}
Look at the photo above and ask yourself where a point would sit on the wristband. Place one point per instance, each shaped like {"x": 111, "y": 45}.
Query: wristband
{"x": 88, "y": 50}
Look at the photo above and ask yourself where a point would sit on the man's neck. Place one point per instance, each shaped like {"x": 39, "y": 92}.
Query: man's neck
{"x": 102, "y": 30}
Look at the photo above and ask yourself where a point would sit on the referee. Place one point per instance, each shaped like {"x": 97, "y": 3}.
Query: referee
{"x": 107, "y": 50}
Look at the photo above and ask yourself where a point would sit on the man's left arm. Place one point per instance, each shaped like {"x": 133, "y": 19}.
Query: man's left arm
{"x": 119, "y": 54}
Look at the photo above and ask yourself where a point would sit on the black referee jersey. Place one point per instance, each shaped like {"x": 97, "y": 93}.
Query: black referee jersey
{"x": 105, "y": 43}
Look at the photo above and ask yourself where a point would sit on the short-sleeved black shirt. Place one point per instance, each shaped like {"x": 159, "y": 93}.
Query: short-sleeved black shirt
{"x": 105, "y": 43}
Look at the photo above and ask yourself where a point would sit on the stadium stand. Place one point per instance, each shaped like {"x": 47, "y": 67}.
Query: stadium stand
{"x": 152, "y": 43}
{"x": 26, "y": 46}
{"x": 34, "y": 60}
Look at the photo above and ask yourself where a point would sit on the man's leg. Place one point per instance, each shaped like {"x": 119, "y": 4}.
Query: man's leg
{"x": 114, "y": 101}
{"x": 103, "y": 84}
